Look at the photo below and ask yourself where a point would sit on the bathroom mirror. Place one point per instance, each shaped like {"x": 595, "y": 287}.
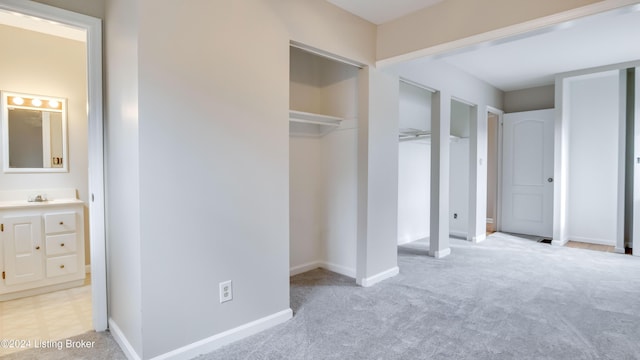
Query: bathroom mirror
{"x": 34, "y": 133}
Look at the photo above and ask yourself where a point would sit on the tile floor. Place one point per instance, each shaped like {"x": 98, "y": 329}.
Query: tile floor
{"x": 53, "y": 316}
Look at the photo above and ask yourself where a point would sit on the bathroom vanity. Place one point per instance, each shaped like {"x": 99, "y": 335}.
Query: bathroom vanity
{"x": 41, "y": 242}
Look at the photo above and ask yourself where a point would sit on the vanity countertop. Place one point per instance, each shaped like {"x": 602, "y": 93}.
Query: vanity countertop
{"x": 27, "y": 204}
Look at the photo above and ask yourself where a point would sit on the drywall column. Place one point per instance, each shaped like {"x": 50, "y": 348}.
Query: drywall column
{"x": 636, "y": 172}
{"x": 560, "y": 163}
{"x": 440, "y": 149}
{"x": 478, "y": 175}
{"x": 377, "y": 257}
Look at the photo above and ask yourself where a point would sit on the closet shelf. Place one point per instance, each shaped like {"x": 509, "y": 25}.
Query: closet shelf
{"x": 410, "y": 134}
{"x": 316, "y": 119}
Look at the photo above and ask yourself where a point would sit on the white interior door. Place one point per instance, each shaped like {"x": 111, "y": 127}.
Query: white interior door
{"x": 527, "y": 173}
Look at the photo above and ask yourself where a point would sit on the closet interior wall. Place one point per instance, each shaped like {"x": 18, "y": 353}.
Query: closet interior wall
{"x": 459, "y": 169}
{"x": 414, "y": 165}
{"x": 323, "y": 165}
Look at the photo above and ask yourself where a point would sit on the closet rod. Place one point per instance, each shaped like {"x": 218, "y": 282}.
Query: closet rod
{"x": 325, "y": 54}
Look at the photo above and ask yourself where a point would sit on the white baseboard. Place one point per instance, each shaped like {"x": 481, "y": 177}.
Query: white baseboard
{"x": 489, "y": 221}
{"x": 87, "y": 269}
{"x": 479, "y": 238}
{"x": 206, "y": 345}
{"x": 439, "y": 254}
{"x": 299, "y": 269}
{"x": 342, "y": 270}
{"x": 593, "y": 241}
{"x": 561, "y": 242}
{"x": 372, "y": 280}
{"x": 122, "y": 341}
{"x": 217, "y": 341}
{"x": 619, "y": 250}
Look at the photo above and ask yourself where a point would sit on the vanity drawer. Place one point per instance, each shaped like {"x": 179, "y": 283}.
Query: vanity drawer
{"x": 60, "y": 222}
{"x": 61, "y": 244}
{"x": 62, "y": 265}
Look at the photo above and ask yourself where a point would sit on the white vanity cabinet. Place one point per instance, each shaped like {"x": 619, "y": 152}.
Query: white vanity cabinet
{"x": 41, "y": 247}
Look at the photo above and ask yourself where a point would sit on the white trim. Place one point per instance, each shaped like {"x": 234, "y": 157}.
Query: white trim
{"x": 215, "y": 342}
{"x": 592, "y": 240}
{"x": 514, "y": 32}
{"x": 479, "y": 238}
{"x": 440, "y": 254}
{"x": 619, "y": 250}
{"x": 121, "y": 340}
{"x": 489, "y": 221}
{"x": 372, "y": 280}
{"x": 93, "y": 27}
{"x": 299, "y": 269}
{"x": 87, "y": 269}
{"x": 561, "y": 242}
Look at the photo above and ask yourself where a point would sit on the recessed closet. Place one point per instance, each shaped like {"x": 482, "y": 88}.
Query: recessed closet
{"x": 459, "y": 169}
{"x": 323, "y": 163}
{"x": 414, "y": 163}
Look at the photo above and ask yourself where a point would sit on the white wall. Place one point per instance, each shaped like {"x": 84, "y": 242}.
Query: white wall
{"x": 414, "y": 165}
{"x": 41, "y": 64}
{"x": 459, "y": 188}
{"x": 214, "y": 157}
{"x": 122, "y": 173}
{"x": 307, "y": 210}
{"x": 593, "y": 158}
{"x": 414, "y": 181}
{"x": 537, "y": 98}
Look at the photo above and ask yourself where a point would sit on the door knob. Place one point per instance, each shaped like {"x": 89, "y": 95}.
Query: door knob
{"x": 550, "y": 179}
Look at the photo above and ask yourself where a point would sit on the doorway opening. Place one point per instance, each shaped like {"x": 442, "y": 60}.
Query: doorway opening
{"x": 493, "y": 163}
{"x": 85, "y": 139}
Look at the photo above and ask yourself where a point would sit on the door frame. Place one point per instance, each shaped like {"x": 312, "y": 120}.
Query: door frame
{"x": 93, "y": 28}
{"x": 498, "y": 220}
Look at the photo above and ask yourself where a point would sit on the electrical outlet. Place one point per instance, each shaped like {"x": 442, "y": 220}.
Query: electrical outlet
{"x": 226, "y": 291}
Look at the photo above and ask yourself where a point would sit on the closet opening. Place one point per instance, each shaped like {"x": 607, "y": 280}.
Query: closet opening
{"x": 493, "y": 165}
{"x": 323, "y": 162}
{"x": 462, "y": 114}
{"x": 414, "y": 164}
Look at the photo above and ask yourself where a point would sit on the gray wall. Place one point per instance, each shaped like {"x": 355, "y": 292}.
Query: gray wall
{"x": 537, "y": 98}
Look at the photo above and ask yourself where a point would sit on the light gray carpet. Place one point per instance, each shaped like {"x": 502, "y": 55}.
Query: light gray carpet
{"x": 506, "y": 298}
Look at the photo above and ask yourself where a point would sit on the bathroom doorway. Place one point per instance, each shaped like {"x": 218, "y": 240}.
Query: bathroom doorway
{"x": 44, "y": 18}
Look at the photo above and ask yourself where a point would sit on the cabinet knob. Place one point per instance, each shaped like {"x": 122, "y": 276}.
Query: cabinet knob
{"x": 61, "y": 266}
{"x": 37, "y": 247}
{"x": 62, "y": 244}
{"x": 61, "y": 223}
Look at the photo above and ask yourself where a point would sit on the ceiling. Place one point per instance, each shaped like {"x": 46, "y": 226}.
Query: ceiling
{"x": 382, "y": 11}
{"x": 40, "y": 25}
{"x": 529, "y": 60}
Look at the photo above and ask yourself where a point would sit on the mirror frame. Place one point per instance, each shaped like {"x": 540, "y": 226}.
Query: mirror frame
{"x": 4, "y": 117}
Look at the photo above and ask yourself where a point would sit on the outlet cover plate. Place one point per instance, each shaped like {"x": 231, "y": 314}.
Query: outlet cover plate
{"x": 226, "y": 291}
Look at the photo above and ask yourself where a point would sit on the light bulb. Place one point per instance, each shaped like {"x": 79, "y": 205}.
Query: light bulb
{"x": 36, "y": 102}
{"x": 18, "y": 100}
{"x": 53, "y": 104}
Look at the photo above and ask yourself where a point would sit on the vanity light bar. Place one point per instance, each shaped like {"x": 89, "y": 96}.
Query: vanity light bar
{"x": 34, "y": 102}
